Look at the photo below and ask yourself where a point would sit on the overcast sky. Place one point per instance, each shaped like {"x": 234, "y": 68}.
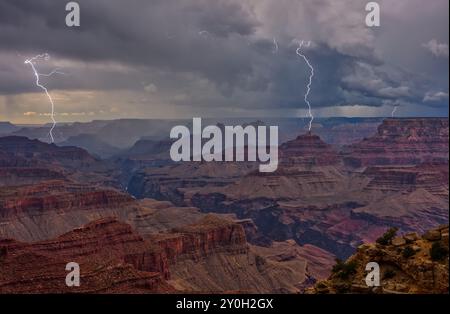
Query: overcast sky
{"x": 185, "y": 58}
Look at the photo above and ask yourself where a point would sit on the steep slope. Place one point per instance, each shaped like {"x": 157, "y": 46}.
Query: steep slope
{"x": 210, "y": 255}
{"x": 112, "y": 258}
{"x": 401, "y": 142}
{"x": 408, "y": 264}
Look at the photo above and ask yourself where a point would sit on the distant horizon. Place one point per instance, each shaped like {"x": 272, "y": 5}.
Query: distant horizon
{"x": 224, "y": 118}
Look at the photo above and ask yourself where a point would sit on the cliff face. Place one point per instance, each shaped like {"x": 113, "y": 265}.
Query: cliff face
{"x": 108, "y": 247}
{"x": 61, "y": 196}
{"x": 413, "y": 198}
{"x": 209, "y": 234}
{"x": 171, "y": 182}
{"x": 211, "y": 255}
{"x": 408, "y": 264}
{"x": 432, "y": 177}
{"x": 111, "y": 256}
{"x": 402, "y": 142}
{"x": 13, "y": 176}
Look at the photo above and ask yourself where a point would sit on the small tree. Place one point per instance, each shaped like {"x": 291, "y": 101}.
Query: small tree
{"x": 344, "y": 270}
{"x": 387, "y": 237}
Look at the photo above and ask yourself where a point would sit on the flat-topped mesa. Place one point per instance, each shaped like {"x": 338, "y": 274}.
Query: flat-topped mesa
{"x": 60, "y": 196}
{"x": 209, "y": 235}
{"x": 432, "y": 177}
{"x": 21, "y": 147}
{"x": 402, "y": 142}
{"x": 308, "y": 149}
{"x": 417, "y": 127}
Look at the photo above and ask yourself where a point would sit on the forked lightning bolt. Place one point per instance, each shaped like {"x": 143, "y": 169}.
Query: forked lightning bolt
{"x": 37, "y": 75}
{"x": 308, "y": 86}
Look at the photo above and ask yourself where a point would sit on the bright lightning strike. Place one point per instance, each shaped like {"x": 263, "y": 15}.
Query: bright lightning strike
{"x": 393, "y": 111}
{"x": 308, "y": 86}
{"x": 38, "y": 75}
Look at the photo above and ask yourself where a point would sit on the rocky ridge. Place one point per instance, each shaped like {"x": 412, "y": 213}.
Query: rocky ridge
{"x": 408, "y": 264}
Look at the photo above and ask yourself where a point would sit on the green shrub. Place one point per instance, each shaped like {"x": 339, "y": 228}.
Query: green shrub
{"x": 344, "y": 270}
{"x": 408, "y": 252}
{"x": 438, "y": 251}
{"x": 386, "y": 238}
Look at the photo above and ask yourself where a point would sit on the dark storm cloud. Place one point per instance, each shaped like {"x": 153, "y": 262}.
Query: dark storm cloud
{"x": 174, "y": 45}
{"x": 148, "y": 33}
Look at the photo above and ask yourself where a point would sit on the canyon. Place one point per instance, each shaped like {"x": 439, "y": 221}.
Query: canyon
{"x": 138, "y": 222}
{"x": 334, "y": 199}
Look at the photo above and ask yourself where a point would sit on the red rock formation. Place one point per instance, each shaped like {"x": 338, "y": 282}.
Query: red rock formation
{"x": 308, "y": 149}
{"x": 210, "y": 234}
{"x": 408, "y": 264}
{"x": 58, "y": 196}
{"x": 402, "y": 142}
{"x": 112, "y": 258}
{"x": 429, "y": 176}
{"x": 33, "y": 156}
{"x": 34, "y": 149}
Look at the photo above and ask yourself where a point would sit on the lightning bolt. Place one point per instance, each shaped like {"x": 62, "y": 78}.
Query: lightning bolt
{"x": 393, "y": 111}
{"x": 31, "y": 62}
{"x": 308, "y": 86}
{"x": 275, "y": 45}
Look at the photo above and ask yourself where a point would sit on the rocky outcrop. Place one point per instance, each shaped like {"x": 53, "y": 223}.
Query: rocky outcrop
{"x": 34, "y": 149}
{"x": 308, "y": 149}
{"x": 171, "y": 182}
{"x": 58, "y": 196}
{"x": 109, "y": 246}
{"x": 402, "y": 141}
{"x": 19, "y": 176}
{"x": 432, "y": 177}
{"x": 408, "y": 264}
{"x": 112, "y": 258}
{"x": 211, "y": 255}
{"x": 210, "y": 234}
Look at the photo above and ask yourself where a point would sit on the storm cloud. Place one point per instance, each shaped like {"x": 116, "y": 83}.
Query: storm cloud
{"x": 218, "y": 57}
